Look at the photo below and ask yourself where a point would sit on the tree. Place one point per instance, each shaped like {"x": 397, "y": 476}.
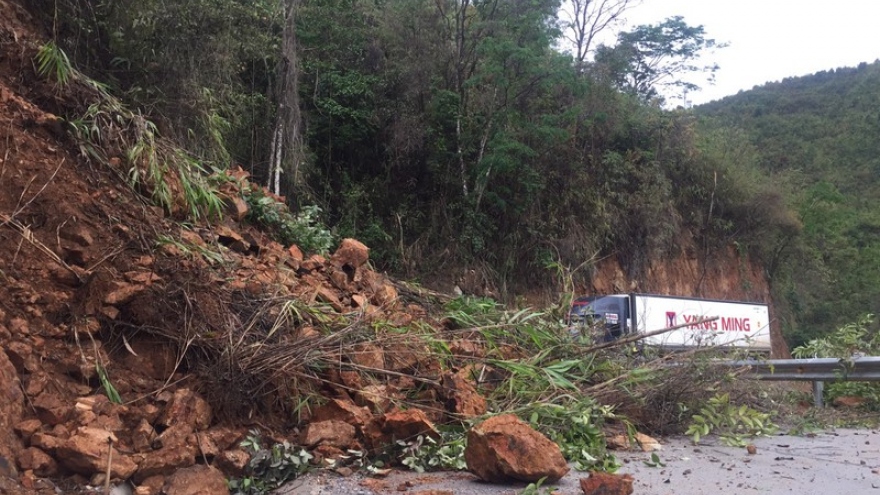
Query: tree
{"x": 586, "y": 19}
{"x": 653, "y": 57}
{"x": 286, "y": 153}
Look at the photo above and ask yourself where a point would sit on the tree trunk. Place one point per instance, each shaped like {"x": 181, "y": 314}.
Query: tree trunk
{"x": 287, "y": 153}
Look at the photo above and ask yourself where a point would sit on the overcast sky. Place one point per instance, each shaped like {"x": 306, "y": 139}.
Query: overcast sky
{"x": 774, "y": 39}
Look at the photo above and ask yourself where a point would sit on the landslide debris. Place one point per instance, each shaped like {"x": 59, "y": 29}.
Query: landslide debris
{"x": 144, "y": 349}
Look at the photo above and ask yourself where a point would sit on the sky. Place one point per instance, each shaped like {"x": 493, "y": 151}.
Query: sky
{"x": 773, "y": 39}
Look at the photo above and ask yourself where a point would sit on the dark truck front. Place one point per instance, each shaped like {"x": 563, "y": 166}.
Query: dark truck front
{"x": 600, "y": 318}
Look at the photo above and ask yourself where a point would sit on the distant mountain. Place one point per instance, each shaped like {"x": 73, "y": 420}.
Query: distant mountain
{"x": 817, "y": 136}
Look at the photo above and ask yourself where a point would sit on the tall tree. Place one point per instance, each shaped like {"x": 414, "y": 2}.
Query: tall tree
{"x": 586, "y": 19}
{"x": 653, "y": 57}
{"x": 287, "y": 153}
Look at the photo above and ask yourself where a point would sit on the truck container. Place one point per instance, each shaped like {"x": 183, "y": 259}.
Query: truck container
{"x": 738, "y": 324}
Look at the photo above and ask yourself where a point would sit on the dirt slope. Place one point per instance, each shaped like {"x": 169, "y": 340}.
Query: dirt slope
{"x": 98, "y": 287}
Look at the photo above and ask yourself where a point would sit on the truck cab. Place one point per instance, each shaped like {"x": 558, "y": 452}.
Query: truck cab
{"x": 603, "y": 318}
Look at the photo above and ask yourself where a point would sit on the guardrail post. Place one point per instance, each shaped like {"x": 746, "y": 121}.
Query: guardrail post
{"x": 818, "y": 388}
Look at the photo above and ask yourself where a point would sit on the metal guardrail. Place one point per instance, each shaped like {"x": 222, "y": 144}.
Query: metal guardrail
{"x": 816, "y": 370}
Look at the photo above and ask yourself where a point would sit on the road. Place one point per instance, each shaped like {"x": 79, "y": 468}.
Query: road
{"x": 831, "y": 462}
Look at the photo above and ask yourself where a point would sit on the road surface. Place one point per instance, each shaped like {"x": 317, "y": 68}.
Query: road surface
{"x": 831, "y": 462}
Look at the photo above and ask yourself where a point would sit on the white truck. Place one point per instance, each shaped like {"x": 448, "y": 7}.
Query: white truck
{"x": 739, "y": 324}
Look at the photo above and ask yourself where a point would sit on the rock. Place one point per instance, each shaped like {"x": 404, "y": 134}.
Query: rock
{"x": 87, "y": 450}
{"x": 232, "y": 462}
{"x": 27, "y": 428}
{"x": 52, "y": 409}
{"x": 174, "y": 436}
{"x": 207, "y": 448}
{"x": 224, "y": 437}
{"x": 11, "y": 407}
{"x": 326, "y": 295}
{"x": 46, "y": 441}
{"x": 402, "y": 354}
{"x": 385, "y": 295}
{"x": 150, "y": 486}
{"x": 504, "y": 448}
{"x": 232, "y": 239}
{"x": 600, "y": 483}
{"x": 187, "y": 407}
{"x": 848, "y": 401}
{"x": 334, "y": 433}
{"x": 641, "y": 441}
{"x": 343, "y": 410}
{"x": 34, "y": 459}
{"x": 236, "y": 208}
{"x": 406, "y": 425}
{"x": 142, "y": 436}
{"x": 377, "y": 397}
{"x": 165, "y": 461}
{"x": 122, "y": 292}
{"x": 196, "y": 480}
{"x": 351, "y": 253}
{"x": 461, "y": 396}
{"x": 295, "y": 253}
{"x": 368, "y": 356}
{"x": 467, "y": 348}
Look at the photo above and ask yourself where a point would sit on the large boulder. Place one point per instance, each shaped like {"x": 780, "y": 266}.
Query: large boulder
{"x": 505, "y": 448}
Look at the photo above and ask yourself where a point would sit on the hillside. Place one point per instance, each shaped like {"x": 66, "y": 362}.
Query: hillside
{"x": 816, "y": 135}
{"x": 141, "y": 325}
{"x": 103, "y": 294}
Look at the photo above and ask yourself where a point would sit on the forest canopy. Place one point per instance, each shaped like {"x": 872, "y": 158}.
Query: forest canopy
{"x": 496, "y": 136}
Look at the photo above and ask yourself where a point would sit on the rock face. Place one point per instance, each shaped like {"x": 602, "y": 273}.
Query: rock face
{"x": 505, "y": 448}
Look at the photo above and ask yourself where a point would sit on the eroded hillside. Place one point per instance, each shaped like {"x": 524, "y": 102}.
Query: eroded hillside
{"x": 148, "y": 344}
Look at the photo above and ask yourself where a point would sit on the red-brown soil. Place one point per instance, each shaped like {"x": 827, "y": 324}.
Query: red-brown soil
{"x": 185, "y": 330}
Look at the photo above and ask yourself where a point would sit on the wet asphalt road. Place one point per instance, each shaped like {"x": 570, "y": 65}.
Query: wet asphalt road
{"x": 830, "y": 462}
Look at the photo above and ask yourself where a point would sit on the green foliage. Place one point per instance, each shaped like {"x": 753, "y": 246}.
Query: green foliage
{"x": 538, "y": 488}
{"x": 576, "y": 426}
{"x": 427, "y": 454}
{"x": 498, "y": 152}
{"x": 109, "y": 389}
{"x": 269, "y": 468}
{"x": 191, "y": 250}
{"x": 53, "y": 63}
{"x": 654, "y": 56}
{"x": 861, "y": 338}
{"x": 730, "y": 422}
{"x": 167, "y": 174}
{"x": 655, "y": 461}
{"x": 853, "y": 339}
{"x": 303, "y": 229}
